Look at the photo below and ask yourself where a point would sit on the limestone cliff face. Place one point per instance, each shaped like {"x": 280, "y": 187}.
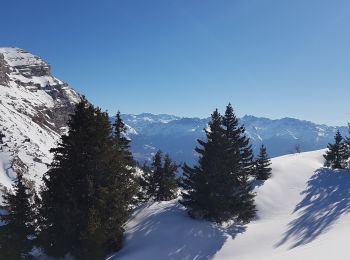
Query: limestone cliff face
{"x": 34, "y": 109}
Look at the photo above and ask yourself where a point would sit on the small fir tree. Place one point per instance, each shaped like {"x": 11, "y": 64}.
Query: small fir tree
{"x": 347, "y": 147}
{"x": 122, "y": 142}
{"x": 154, "y": 175}
{"x": 262, "y": 165}
{"x": 18, "y": 229}
{"x": 161, "y": 180}
{"x": 1, "y": 138}
{"x": 336, "y": 155}
{"x": 167, "y": 183}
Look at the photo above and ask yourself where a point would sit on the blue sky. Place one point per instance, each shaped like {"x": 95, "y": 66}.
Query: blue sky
{"x": 272, "y": 58}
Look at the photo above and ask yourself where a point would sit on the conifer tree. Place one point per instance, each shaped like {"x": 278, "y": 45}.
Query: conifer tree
{"x": 167, "y": 183}
{"x": 217, "y": 188}
{"x": 208, "y": 188}
{"x": 122, "y": 142}
{"x": 1, "y": 138}
{"x": 240, "y": 165}
{"x": 88, "y": 189}
{"x": 154, "y": 175}
{"x": 161, "y": 178}
{"x": 347, "y": 147}
{"x": 336, "y": 155}
{"x": 143, "y": 183}
{"x": 239, "y": 142}
{"x": 18, "y": 229}
{"x": 262, "y": 165}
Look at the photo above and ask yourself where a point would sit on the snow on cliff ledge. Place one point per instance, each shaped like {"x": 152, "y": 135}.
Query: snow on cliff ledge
{"x": 34, "y": 108}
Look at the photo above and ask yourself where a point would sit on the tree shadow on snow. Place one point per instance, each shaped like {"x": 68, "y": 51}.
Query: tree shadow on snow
{"x": 327, "y": 197}
{"x": 169, "y": 233}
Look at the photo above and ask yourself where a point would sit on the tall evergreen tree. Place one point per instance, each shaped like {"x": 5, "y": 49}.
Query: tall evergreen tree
{"x": 18, "y": 229}
{"x": 167, "y": 182}
{"x": 217, "y": 188}
{"x": 262, "y": 165}
{"x": 239, "y": 142}
{"x": 336, "y": 155}
{"x": 240, "y": 164}
{"x": 122, "y": 142}
{"x": 88, "y": 189}
{"x": 154, "y": 175}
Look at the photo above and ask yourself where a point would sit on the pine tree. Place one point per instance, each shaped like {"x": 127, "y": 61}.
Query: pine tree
{"x": 240, "y": 165}
{"x": 167, "y": 181}
{"x": 336, "y": 155}
{"x": 18, "y": 229}
{"x": 239, "y": 142}
{"x": 217, "y": 189}
{"x": 347, "y": 147}
{"x": 122, "y": 142}
{"x": 1, "y": 137}
{"x": 262, "y": 165}
{"x": 154, "y": 176}
{"x": 1, "y": 140}
{"x": 143, "y": 183}
{"x": 88, "y": 189}
{"x": 208, "y": 186}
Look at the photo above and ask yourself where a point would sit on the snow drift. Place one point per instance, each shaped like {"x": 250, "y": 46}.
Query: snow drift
{"x": 302, "y": 214}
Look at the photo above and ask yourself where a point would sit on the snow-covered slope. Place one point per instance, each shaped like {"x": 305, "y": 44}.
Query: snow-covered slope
{"x": 34, "y": 108}
{"x": 302, "y": 214}
{"x": 178, "y": 136}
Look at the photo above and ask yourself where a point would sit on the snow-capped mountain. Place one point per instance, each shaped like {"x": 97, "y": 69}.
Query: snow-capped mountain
{"x": 34, "y": 108}
{"x": 178, "y": 136}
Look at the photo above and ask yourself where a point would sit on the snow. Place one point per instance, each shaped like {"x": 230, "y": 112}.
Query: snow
{"x": 19, "y": 57}
{"x": 26, "y": 96}
{"x": 302, "y": 214}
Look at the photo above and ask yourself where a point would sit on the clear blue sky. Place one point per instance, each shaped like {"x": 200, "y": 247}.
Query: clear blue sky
{"x": 271, "y": 58}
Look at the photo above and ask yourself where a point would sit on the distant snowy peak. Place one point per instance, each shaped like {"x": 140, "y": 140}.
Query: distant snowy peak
{"x": 34, "y": 109}
{"x": 178, "y": 135}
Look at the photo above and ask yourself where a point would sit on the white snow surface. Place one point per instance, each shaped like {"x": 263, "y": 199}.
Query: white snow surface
{"x": 26, "y": 99}
{"x": 302, "y": 214}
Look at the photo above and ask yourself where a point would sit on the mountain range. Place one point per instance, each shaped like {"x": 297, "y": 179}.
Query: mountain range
{"x": 35, "y": 106}
{"x": 177, "y": 135}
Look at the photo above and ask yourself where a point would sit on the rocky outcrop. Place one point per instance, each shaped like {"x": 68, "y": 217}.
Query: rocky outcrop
{"x": 34, "y": 109}
{"x": 4, "y": 70}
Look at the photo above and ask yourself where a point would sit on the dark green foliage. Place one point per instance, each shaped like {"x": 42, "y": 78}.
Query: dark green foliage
{"x": 161, "y": 178}
{"x": 143, "y": 181}
{"x": 18, "y": 231}
{"x": 155, "y": 175}
{"x": 1, "y": 137}
{"x": 123, "y": 143}
{"x": 347, "y": 146}
{"x": 167, "y": 183}
{"x": 336, "y": 155}
{"x": 239, "y": 142}
{"x": 217, "y": 189}
{"x": 262, "y": 165}
{"x": 88, "y": 189}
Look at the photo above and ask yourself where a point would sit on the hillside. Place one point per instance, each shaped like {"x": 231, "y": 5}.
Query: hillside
{"x": 34, "y": 108}
{"x": 302, "y": 214}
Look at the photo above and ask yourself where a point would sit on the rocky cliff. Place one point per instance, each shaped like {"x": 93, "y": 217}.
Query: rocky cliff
{"x": 34, "y": 109}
